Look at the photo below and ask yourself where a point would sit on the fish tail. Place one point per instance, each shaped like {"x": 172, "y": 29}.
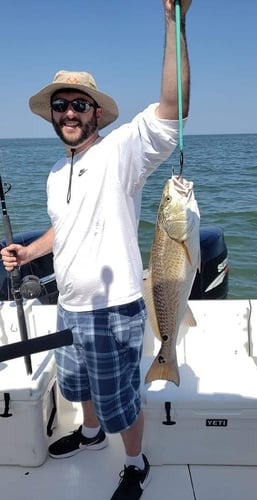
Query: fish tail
{"x": 163, "y": 371}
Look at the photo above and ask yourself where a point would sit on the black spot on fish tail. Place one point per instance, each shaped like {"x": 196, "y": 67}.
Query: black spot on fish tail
{"x": 161, "y": 360}
{"x": 165, "y": 338}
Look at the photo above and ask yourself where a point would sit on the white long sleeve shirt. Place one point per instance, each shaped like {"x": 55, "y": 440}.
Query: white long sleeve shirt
{"x": 97, "y": 260}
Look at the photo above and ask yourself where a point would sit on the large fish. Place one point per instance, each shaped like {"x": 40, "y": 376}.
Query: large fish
{"x": 175, "y": 256}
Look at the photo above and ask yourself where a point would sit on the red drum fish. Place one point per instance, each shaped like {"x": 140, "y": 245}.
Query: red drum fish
{"x": 174, "y": 259}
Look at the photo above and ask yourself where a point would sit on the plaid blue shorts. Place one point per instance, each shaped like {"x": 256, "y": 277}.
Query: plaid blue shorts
{"x": 103, "y": 364}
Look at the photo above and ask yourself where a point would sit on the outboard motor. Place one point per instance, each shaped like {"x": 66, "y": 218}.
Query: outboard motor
{"x": 212, "y": 281}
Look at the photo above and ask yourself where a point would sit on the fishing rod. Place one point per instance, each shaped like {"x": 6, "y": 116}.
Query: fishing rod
{"x": 26, "y": 346}
{"x": 15, "y": 278}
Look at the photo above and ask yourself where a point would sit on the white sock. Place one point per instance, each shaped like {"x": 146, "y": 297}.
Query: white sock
{"x": 137, "y": 461}
{"x": 89, "y": 432}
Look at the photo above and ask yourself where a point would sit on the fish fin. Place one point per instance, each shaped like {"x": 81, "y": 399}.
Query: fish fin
{"x": 147, "y": 292}
{"x": 184, "y": 245}
{"x": 188, "y": 256}
{"x": 189, "y": 319}
{"x": 163, "y": 371}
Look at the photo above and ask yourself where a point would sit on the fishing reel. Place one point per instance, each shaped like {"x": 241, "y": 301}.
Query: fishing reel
{"x": 30, "y": 287}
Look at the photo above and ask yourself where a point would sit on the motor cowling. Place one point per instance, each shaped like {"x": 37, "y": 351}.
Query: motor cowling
{"x": 212, "y": 280}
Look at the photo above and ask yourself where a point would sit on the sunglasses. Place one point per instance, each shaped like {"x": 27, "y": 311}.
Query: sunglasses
{"x": 79, "y": 105}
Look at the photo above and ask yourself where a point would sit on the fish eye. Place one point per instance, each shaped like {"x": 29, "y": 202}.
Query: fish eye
{"x": 168, "y": 197}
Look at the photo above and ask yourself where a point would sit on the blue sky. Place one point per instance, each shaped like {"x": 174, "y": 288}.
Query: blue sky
{"x": 121, "y": 44}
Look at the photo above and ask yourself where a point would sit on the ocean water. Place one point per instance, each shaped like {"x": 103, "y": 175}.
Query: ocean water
{"x": 222, "y": 167}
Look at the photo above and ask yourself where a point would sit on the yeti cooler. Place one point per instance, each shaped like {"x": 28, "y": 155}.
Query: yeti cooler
{"x": 27, "y": 410}
{"x": 211, "y": 418}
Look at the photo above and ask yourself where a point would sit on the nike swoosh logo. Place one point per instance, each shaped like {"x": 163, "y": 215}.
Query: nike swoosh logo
{"x": 82, "y": 171}
{"x": 146, "y": 481}
{"x": 81, "y": 445}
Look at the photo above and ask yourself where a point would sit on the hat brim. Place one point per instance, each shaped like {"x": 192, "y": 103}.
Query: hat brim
{"x": 40, "y": 102}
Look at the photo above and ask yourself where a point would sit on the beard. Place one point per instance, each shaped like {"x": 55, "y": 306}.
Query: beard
{"x": 86, "y": 130}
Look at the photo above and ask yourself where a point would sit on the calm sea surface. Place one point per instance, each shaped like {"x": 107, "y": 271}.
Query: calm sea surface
{"x": 223, "y": 168}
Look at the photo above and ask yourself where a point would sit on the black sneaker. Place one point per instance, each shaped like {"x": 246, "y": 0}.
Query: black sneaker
{"x": 76, "y": 442}
{"x": 133, "y": 482}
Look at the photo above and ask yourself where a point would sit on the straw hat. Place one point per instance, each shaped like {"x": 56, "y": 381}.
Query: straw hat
{"x": 77, "y": 80}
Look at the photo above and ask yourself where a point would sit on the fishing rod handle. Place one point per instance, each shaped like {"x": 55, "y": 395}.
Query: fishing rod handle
{"x": 15, "y": 273}
{"x": 7, "y": 230}
{"x": 35, "y": 345}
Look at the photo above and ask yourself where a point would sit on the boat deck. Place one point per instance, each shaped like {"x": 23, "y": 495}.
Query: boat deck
{"x": 227, "y": 336}
{"x": 93, "y": 475}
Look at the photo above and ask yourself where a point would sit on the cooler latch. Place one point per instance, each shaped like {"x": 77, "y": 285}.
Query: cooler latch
{"x": 6, "y": 413}
{"x": 49, "y": 428}
{"x": 168, "y": 421}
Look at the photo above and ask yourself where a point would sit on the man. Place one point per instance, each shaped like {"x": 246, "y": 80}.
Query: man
{"x": 94, "y": 206}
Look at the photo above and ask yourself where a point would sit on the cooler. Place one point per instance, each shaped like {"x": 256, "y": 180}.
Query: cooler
{"x": 27, "y": 410}
{"x": 27, "y": 402}
{"x": 212, "y": 417}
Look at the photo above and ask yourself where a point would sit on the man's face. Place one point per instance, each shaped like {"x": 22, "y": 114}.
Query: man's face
{"x": 74, "y": 127}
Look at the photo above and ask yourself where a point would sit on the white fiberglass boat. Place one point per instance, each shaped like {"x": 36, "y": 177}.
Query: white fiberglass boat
{"x": 200, "y": 438}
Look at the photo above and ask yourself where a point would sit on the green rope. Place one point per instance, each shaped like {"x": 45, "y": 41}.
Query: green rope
{"x": 179, "y": 79}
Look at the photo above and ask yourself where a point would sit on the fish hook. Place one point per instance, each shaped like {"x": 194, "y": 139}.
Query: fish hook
{"x": 181, "y": 162}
